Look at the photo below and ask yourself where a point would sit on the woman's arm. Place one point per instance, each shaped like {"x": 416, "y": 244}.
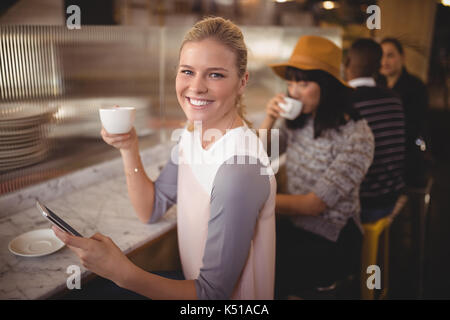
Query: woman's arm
{"x": 273, "y": 111}
{"x": 299, "y": 204}
{"x": 164, "y": 189}
{"x": 156, "y": 287}
{"x": 141, "y": 188}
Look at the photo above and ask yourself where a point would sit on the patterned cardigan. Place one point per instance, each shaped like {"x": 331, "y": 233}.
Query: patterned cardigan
{"x": 332, "y": 166}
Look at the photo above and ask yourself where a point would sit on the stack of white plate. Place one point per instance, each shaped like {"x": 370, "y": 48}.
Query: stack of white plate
{"x": 22, "y": 142}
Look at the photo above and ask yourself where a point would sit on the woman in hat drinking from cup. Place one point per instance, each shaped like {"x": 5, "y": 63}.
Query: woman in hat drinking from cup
{"x": 329, "y": 150}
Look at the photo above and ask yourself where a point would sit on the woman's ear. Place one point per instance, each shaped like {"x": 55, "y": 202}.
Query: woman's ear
{"x": 243, "y": 83}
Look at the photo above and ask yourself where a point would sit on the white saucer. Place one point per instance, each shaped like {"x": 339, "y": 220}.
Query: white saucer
{"x": 35, "y": 243}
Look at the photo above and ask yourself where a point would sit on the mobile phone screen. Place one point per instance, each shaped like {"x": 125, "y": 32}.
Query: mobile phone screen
{"x": 53, "y": 217}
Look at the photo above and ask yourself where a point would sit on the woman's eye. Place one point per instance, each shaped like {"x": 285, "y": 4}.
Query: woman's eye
{"x": 216, "y": 75}
{"x": 187, "y": 72}
{"x": 303, "y": 83}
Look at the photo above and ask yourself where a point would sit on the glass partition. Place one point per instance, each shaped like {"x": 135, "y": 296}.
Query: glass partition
{"x": 54, "y": 80}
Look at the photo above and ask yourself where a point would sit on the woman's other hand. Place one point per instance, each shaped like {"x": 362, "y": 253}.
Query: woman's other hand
{"x": 99, "y": 254}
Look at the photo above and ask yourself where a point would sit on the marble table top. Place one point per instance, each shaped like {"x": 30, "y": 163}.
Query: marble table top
{"x": 99, "y": 205}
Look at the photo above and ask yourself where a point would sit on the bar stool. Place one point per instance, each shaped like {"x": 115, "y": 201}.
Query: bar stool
{"x": 370, "y": 249}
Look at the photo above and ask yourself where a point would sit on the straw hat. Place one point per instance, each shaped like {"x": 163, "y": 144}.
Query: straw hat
{"x": 313, "y": 53}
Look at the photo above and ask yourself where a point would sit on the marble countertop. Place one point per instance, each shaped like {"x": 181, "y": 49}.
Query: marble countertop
{"x": 91, "y": 200}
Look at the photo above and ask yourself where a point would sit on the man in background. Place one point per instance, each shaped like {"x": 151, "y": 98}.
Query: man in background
{"x": 384, "y": 113}
{"x": 414, "y": 96}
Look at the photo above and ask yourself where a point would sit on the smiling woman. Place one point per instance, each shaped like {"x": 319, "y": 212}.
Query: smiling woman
{"x": 224, "y": 78}
{"x": 225, "y": 200}
{"x": 208, "y": 84}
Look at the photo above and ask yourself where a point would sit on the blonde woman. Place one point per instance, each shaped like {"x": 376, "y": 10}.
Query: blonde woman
{"x": 226, "y": 224}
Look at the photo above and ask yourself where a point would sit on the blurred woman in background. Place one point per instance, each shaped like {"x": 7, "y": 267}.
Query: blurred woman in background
{"x": 329, "y": 150}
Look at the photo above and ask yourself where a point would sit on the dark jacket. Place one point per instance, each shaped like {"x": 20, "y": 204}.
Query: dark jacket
{"x": 414, "y": 96}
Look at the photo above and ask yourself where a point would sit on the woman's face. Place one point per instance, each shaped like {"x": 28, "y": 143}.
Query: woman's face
{"x": 207, "y": 82}
{"x": 308, "y": 92}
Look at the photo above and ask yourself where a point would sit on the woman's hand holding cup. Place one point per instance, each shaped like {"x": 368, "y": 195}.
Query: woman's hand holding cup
{"x": 123, "y": 141}
{"x": 273, "y": 110}
{"x": 282, "y": 106}
{"x": 117, "y": 127}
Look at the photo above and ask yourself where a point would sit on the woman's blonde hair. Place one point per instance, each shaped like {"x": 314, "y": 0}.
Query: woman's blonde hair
{"x": 228, "y": 34}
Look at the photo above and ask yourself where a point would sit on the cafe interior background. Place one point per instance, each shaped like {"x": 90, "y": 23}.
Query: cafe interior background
{"x": 54, "y": 79}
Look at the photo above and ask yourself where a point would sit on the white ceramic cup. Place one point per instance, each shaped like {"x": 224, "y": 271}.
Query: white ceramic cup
{"x": 292, "y": 108}
{"x": 117, "y": 120}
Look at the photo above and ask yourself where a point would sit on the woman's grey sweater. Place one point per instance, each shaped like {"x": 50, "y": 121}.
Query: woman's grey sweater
{"x": 333, "y": 167}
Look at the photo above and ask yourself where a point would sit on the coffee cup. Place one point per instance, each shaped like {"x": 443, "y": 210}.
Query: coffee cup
{"x": 117, "y": 120}
{"x": 291, "y": 107}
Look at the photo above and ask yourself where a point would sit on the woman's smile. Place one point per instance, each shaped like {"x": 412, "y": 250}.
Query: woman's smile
{"x": 199, "y": 103}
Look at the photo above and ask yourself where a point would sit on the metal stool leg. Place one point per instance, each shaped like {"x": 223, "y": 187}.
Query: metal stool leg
{"x": 385, "y": 272}
{"x": 369, "y": 257}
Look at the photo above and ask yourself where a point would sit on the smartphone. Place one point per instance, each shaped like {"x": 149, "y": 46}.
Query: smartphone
{"x": 57, "y": 221}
